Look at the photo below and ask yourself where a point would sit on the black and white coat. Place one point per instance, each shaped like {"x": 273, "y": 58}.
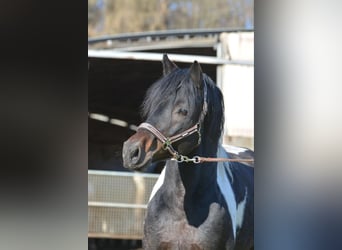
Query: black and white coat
{"x": 205, "y": 216}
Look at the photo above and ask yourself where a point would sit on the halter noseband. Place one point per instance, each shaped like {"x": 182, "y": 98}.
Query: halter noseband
{"x": 167, "y": 141}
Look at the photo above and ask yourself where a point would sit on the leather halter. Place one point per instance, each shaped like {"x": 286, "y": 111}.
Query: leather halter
{"x": 167, "y": 141}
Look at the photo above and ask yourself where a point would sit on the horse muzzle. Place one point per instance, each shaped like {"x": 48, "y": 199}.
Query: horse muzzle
{"x": 139, "y": 150}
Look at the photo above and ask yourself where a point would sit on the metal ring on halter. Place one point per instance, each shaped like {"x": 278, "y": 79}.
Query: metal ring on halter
{"x": 166, "y": 144}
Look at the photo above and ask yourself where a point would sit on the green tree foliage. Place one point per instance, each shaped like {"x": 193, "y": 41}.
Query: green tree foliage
{"x": 125, "y": 16}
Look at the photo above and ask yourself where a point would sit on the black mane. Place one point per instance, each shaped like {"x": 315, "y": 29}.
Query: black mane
{"x": 214, "y": 120}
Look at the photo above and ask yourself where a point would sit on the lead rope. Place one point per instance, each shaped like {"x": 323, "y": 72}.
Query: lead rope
{"x": 199, "y": 159}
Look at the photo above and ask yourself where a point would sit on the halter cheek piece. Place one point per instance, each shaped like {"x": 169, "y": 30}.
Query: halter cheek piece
{"x": 168, "y": 141}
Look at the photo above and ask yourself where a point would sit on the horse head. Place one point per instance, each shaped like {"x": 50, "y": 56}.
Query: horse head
{"x": 172, "y": 105}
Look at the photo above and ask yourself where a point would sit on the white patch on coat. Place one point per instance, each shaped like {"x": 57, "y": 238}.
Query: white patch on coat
{"x": 158, "y": 184}
{"x": 221, "y": 153}
{"x": 241, "y": 211}
{"x": 226, "y": 188}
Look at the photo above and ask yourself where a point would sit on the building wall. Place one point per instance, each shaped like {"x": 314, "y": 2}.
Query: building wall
{"x": 237, "y": 85}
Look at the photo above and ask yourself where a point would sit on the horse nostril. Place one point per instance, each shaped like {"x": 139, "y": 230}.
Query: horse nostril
{"x": 134, "y": 155}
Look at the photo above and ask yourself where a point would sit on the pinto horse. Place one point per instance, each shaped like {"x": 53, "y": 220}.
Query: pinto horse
{"x": 196, "y": 203}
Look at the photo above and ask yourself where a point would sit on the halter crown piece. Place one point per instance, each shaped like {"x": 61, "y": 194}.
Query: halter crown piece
{"x": 167, "y": 141}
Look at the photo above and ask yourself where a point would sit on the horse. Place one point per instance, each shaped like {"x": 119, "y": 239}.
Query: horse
{"x": 197, "y": 202}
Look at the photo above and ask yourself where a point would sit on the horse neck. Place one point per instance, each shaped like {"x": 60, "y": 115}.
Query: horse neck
{"x": 188, "y": 186}
{"x": 197, "y": 177}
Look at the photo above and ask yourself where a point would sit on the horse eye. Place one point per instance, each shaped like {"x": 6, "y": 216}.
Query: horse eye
{"x": 183, "y": 112}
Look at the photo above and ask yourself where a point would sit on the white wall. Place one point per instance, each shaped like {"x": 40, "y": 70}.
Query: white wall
{"x": 237, "y": 85}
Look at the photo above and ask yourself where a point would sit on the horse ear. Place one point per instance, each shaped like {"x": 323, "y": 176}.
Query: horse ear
{"x": 168, "y": 65}
{"x": 195, "y": 72}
